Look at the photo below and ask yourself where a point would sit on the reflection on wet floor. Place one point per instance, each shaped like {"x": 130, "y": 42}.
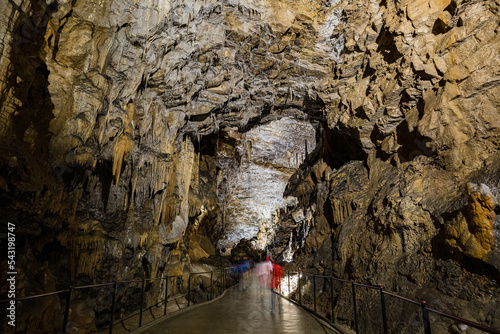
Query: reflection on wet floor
{"x": 246, "y": 311}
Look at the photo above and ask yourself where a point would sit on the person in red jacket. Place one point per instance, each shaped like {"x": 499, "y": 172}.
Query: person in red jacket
{"x": 276, "y": 283}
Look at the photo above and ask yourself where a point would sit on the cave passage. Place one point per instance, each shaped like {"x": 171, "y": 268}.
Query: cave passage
{"x": 253, "y": 190}
{"x": 243, "y": 312}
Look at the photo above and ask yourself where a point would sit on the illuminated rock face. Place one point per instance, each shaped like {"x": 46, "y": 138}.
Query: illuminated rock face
{"x": 472, "y": 232}
{"x": 253, "y": 192}
{"x": 123, "y": 124}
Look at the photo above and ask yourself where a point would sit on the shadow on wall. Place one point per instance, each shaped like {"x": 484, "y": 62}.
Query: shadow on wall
{"x": 28, "y": 80}
{"x": 340, "y": 147}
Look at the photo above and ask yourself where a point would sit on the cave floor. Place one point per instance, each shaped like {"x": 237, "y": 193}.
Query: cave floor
{"x": 242, "y": 311}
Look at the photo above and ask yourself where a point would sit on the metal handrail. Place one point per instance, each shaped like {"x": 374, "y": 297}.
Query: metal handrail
{"x": 465, "y": 321}
{"x": 423, "y": 304}
{"x": 223, "y": 280}
{"x": 402, "y": 298}
{"x": 92, "y": 286}
{"x": 35, "y": 296}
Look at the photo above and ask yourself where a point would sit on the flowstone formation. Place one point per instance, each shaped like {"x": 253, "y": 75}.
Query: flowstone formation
{"x": 115, "y": 114}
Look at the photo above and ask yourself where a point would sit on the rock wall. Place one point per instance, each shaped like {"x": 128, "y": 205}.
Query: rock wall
{"x": 111, "y": 110}
{"x": 415, "y": 89}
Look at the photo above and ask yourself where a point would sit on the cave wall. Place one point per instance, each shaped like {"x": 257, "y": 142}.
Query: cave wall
{"x": 107, "y": 108}
{"x": 417, "y": 213}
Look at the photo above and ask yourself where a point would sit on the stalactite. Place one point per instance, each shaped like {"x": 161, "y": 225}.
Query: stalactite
{"x": 86, "y": 243}
{"x": 196, "y": 172}
{"x": 163, "y": 186}
{"x": 135, "y": 177}
{"x": 156, "y": 261}
{"x": 124, "y": 144}
{"x": 123, "y": 147}
{"x": 249, "y": 151}
{"x": 342, "y": 208}
{"x": 288, "y": 158}
{"x": 219, "y": 181}
{"x": 144, "y": 238}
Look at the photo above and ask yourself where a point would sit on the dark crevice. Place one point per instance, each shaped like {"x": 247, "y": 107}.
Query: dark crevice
{"x": 199, "y": 118}
{"x": 440, "y": 26}
{"x": 314, "y": 106}
{"x": 103, "y": 170}
{"x": 387, "y": 46}
{"x": 146, "y": 266}
{"x": 123, "y": 26}
{"x": 421, "y": 108}
{"x": 340, "y": 146}
{"x": 412, "y": 143}
{"x": 369, "y": 71}
{"x": 207, "y": 145}
{"x": 423, "y": 75}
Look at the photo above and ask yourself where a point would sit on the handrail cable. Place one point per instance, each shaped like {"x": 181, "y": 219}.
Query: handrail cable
{"x": 383, "y": 292}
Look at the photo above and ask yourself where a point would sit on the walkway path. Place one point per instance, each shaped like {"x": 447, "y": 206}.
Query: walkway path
{"x": 241, "y": 312}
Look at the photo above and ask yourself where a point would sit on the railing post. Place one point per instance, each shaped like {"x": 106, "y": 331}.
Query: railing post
{"x": 66, "y": 311}
{"x": 354, "y": 307}
{"x": 331, "y": 299}
{"x": 166, "y": 295}
{"x": 425, "y": 317}
{"x": 142, "y": 301}
{"x": 189, "y": 289}
{"x": 384, "y": 313}
{"x": 314, "y": 292}
{"x": 222, "y": 280}
{"x": 211, "y": 284}
{"x": 112, "y": 317}
{"x": 289, "y": 291}
{"x": 300, "y": 292}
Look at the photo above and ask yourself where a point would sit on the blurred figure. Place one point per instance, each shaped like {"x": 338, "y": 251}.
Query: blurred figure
{"x": 244, "y": 266}
{"x": 264, "y": 272}
{"x": 276, "y": 284}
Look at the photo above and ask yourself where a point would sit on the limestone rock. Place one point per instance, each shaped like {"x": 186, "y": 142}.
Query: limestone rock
{"x": 472, "y": 232}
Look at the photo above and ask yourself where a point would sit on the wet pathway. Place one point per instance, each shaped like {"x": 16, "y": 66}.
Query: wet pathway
{"x": 246, "y": 311}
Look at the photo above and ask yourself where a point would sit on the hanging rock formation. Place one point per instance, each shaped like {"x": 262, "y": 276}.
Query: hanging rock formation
{"x": 112, "y": 114}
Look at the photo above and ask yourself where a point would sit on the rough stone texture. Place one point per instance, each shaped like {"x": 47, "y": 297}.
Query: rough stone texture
{"x": 473, "y": 233}
{"x": 112, "y": 111}
{"x": 407, "y": 93}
